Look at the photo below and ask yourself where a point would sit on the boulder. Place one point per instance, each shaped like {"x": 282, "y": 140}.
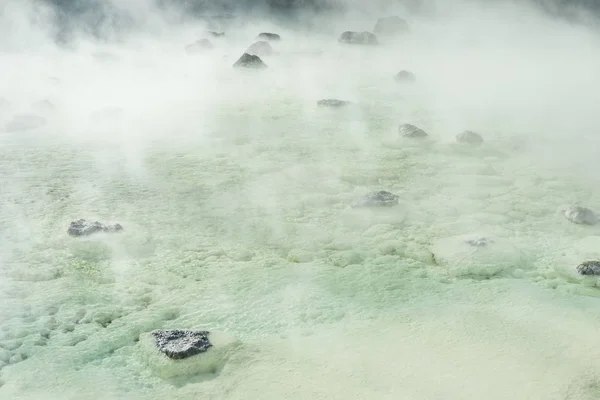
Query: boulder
{"x": 380, "y": 198}
{"x": 83, "y": 227}
{"x": 332, "y": 103}
{"x": 580, "y": 215}
{"x": 269, "y": 36}
{"x": 363, "y": 38}
{"x": 199, "y": 46}
{"x": 469, "y": 137}
{"x": 178, "y": 344}
{"x": 249, "y": 61}
{"x": 589, "y": 268}
{"x": 24, "y": 122}
{"x": 260, "y": 48}
{"x": 405, "y": 76}
{"x": 391, "y": 26}
{"x": 411, "y": 131}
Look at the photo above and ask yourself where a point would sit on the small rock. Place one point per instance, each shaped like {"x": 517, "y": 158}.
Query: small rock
{"x": 364, "y": 38}
{"x": 332, "y": 103}
{"x": 381, "y": 198}
{"x": 479, "y": 242}
{"x": 85, "y": 228}
{"x": 469, "y": 137}
{"x": 199, "y": 46}
{"x": 391, "y": 26}
{"x": 24, "y": 122}
{"x": 581, "y": 215}
{"x": 215, "y": 34}
{"x": 250, "y": 61}
{"x": 589, "y": 268}
{"x": 405, "y": 76}
{"x": 260, "y": 48}
{"x": 178, "y": 344}
{"x": 269, "y": 36}
{"x": 411, "y": 131}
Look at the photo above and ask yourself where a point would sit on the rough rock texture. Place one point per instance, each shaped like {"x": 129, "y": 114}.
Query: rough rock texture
{"x": 364, "y": 38}
{"x": 479, "y": 242}
{"x": 381, "y": 198}
{"x": 469, "y": 137}
{"x": 260, "y": 48}
{"x": 249, "y": 61}
{"x": 332, "y": 103}
{"x": 178, "y": 344}
{"x": 269, "y": 36}
{"x": 24, "y": 122}
{"x": 581, "y": 215}
{"x": 589, "y": 268}
{"x": 411, "y": 131}
{"x": 391, "y": 26}
{"x": 199, "y": 46}
{"x": 405, "y": 76}
{"x": 85, "y": 228}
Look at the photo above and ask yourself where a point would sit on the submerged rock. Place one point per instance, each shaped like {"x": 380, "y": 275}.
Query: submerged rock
{"x": 269, "y": 36}
{"x": 391, "y": 26}
{"x": 178, "y": 344}
{"x": 479, "y": 242}
{"x": 411, "y": 131}
{"x": 380, "y": 198}
{"x": 260, "y": 48}
{"x": 469, "y": 137}
{"x": 250, "y": 61}
{"x": 215, "y": 34}
{"x": 85, "y": 228}
{"x": 580, "y": 215}
{"x": 589, "y": 268}
{"x": 332, "y": 103}
{"x": 199, "y": 46}
{"x": 364, "y": 38}
{"x": 405, "y": 76}
{"x": 24, "y": 122}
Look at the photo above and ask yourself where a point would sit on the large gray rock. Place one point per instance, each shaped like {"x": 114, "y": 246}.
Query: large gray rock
{"x": 250, "y": 61}
{"x": 335, "y": 103}
{"x": 362, "y": 38}
{"x": 260, "y": 48}
{"x": 580, "y": 215}
{"x": 380, "y": 198}
{"x": 269, "y": 36}
{"x": 178, "y": 344}
{"x": 411, "y": 131}
{"x": 589, "y": 268}
{"x": 469, "y": 137}
{"x": 83, "y": 227}
{"x": 405, "y": 76}
{"x": 391, "y": 26}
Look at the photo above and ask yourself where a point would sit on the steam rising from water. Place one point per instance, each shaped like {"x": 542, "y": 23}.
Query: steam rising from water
{"x": 233, "y": 188}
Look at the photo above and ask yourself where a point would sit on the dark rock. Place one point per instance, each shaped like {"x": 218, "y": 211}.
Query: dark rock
{"x": 199, "y": 46}
{"x": 250, "y": 61}
{"x": 589, "y": 268}
{"x": 178, "y": 344}
{"x": 405, "y": 76}
{"x": 391, "y": 26}
{"x": 260, "y": 48}
{"x": 269, "y": 36}
{"x": 581, "y": 215}
{"x": 479, "y": 242}
{"x": 364, "y": 38}
{"x": 85, "y": 228}
{"x": 469, "y": 137}
{"x": 24, "y": 122}
{"x": 377, "y": 199}
{"x": 411, "y": 131}
{"x": 332, "y": 103}
{"x": 215, "y": 34}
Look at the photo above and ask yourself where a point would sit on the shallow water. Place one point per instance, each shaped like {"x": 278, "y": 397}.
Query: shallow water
{"x": 234, "y": 190}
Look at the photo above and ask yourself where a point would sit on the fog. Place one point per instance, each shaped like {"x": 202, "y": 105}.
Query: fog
{"x": 235, "y": 189}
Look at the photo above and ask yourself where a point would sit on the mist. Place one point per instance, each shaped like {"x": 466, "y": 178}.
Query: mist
{"x": 237, "y": 192}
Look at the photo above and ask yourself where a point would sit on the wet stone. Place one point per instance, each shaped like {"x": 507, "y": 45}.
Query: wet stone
{"x": 411, "y": 131}
{"x": 380, "y": 198}
{"x": 589, "y": 268}
{"x": 363, "y": 38}
{"x": 249, "y": 61}
{"x": 83, "y": 227}
{"x": 581, "y": 215}
{"x": 269, "y": 36}
{"x": 469, "y": 137}
{"x": 260, "y": 48}
{"x": 332, "y": 103}
{"x": 179, "y": 344}
{"x": 405, "y": 76}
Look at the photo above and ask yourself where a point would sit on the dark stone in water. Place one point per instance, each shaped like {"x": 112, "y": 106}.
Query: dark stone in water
{"x": 215, "y": 34}
{"x": 381, "y": 198}
{"x": 581, "y": 215}
{"x": 199, "y": 46}
{"x": 179, "y": 344}
{"x": 250, "y": 61}
{"x": 85, "y": 228}
{"x": 589, "y": 268}
{"x": 405, "y": 76}
{"x": 269, "y": 36}
{"x": 332, "y": 103}
{"x": 24, "y": 122}
{"x": 364, "y": 38}
{"x": 260, "y": 48}
{"x": 469, "y": 137}
{"x": 391, "y": 26}
{"x": 479, "y": 242}
{"x": 411, "y": 131}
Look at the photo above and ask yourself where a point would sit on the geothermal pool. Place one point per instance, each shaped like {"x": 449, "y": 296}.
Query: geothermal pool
{"x": 234, "y": 190}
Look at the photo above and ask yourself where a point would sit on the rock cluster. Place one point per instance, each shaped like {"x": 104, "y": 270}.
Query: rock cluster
{"x": 83, "y": 227}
